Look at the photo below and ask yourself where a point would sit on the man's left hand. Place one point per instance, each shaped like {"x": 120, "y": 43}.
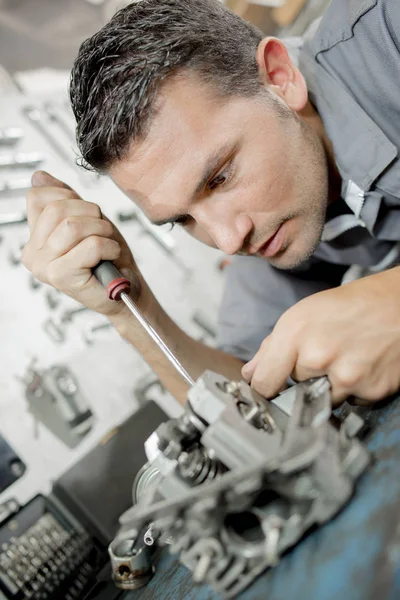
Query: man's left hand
{"x": 350, "y": 333}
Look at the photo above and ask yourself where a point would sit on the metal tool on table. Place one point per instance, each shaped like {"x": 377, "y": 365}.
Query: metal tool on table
{"x": 55, "y": 399}
{"x": 90, "y": 329}
{"x": 52, "y": 111}
{"x": 118, "y": 288}
{"x": 10, "y": 135}
{"x": 10, "y": 186}
{"x": 34, "y": 115}
{"x": 21, "y": 160}
{"x": 162, "y": 238}
{"x": 13, "y": 218}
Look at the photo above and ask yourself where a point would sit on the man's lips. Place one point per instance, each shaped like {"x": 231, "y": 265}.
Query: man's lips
{"x": 272, "y": 245}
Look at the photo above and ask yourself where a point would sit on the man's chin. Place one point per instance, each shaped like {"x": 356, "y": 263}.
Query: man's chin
{"x": 288, "y": 258}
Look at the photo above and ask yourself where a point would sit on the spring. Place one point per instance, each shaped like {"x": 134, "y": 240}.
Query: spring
{"x": 197, "y": 467}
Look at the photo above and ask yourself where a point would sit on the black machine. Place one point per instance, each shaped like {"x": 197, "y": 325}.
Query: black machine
{"x": 55, "y": 548}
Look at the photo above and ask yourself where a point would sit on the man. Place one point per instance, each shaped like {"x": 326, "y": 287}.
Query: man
{"x": 202, "y": 122}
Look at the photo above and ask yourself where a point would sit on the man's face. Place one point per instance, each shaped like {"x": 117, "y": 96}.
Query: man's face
{"x": 233, "y": 172}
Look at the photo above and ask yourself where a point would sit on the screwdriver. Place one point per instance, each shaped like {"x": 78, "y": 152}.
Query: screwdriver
{"x": 118, "y": 287}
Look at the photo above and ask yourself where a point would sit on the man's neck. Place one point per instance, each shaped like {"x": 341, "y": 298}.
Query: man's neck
{"x": 310, "y": 115}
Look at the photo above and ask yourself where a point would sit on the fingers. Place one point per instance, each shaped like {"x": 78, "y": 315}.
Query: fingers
{"x": 46, "y": 188}
{"x": 73, "y": 230}
{"x": 44, "y": 179}
{"x": 54, "y": 212}
{"x": 271, "y": 366}
{"x": 78, "y": 261}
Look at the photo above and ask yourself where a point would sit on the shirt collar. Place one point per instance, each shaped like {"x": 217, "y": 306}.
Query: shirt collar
{"x": 362, "y": 150}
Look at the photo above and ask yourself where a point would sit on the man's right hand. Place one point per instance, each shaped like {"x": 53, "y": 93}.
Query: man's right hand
{"x": 69, "y": 237}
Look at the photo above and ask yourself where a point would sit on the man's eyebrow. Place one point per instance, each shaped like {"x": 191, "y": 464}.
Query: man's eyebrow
{"x": 214, "y": 162}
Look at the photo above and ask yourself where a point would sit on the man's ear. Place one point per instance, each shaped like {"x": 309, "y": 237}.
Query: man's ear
{"x": 279, "y": 73}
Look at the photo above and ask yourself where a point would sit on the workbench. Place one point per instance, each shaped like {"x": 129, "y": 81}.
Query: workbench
{"x": 354, "y": 557}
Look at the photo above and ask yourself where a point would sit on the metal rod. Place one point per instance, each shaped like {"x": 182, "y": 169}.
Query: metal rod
{"x": 156, "y": 338}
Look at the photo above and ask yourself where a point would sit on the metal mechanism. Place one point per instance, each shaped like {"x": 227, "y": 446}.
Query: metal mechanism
{"x": 237, "y": 480}
{"x": 55, "y": 399}
{"x": 131, "y": 563}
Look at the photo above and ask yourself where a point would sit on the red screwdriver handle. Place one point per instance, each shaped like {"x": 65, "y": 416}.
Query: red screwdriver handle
{"x": 111, "y": 279}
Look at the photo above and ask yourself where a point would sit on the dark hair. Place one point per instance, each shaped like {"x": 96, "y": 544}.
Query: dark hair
{"x": 118, "y": 71}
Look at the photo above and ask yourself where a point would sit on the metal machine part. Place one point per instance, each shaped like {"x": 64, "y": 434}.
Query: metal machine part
{"x": 10, "y": 136}
{"x": 131, "y": 563}
{"x": 237, "y": 480}
{"x": 55, "y": 399}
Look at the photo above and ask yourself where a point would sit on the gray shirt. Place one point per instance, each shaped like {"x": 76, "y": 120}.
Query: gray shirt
{"x": 352, "y": 68}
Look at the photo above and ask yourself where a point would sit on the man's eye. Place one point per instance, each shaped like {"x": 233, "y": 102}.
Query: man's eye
{"x": 221, "y": 178}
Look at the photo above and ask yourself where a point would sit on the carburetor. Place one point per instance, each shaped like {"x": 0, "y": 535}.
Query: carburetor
{"x": 236, "y": 480}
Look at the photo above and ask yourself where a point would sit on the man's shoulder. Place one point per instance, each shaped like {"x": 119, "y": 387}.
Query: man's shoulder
{"x": 339, "y": 22}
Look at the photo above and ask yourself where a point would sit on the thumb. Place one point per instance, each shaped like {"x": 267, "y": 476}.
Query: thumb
{"x": 249, "y": 368}
{"x": 44, "y": 179}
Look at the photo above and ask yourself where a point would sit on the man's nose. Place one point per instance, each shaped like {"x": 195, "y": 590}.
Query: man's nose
{"x": 229, "y": 232}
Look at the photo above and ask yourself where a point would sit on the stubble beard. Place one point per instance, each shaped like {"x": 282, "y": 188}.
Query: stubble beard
{"x": 312, "y": 204}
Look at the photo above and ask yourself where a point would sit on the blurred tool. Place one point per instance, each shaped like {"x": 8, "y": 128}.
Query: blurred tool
{"x": 54, "y": 114}
{"x": 201, "y": 319}
{"x": 35, "y": 117}
{"x": 10, "y": 135}
{"x": 118, "y": 288}
{"x": 20, "y": 160}
{"x": 55, "y": 400}
{"x": 11, "y": 466}
{"x": 15, "y": 185}
{"x": 91, "y": 328}
{"x": 15, "y": 253}
{"x": 53, "y": 298}
{"x": 162, "y": 238}
{"x": 11, "y": 218}
{"x": 145, "y": 385}
{"x": 8, "y": 508}
{"x": 69, "y": 314}
{"x": 54, "y": 331}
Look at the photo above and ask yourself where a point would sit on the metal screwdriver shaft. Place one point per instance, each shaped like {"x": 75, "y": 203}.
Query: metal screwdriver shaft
{"x": 118, "y": 288}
